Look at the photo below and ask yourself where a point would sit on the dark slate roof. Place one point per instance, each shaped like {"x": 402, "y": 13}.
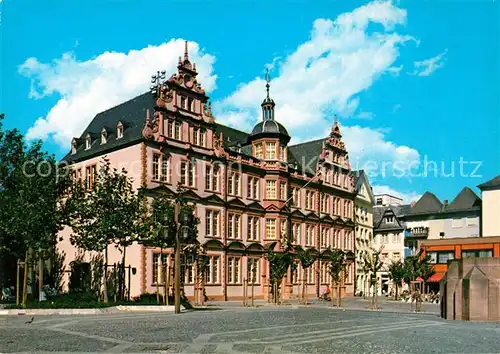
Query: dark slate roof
{"x": 305, "y": 152}
{"x": 397, "y": 210}
{"x": 131, "y": 113}
{"x": 269, "y": 127}
{"x": 491, "y": 184}
{"x": 231, "y": 136}
{"x": 428, "y": 203}
{"x": 465, "y": 200}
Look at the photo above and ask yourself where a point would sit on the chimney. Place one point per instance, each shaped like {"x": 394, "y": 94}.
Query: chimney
{"x": 446, "y": 202}
{"x": 412, "y": 204}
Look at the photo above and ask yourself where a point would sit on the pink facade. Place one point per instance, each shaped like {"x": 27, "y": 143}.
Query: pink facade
{"x": 239, "y": 182}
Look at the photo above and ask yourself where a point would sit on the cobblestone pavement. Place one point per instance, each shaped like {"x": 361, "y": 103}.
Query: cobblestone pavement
{"x": 249, "y": 330}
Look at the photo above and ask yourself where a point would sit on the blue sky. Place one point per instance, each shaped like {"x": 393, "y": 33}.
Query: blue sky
{"x": 411, "y": 81}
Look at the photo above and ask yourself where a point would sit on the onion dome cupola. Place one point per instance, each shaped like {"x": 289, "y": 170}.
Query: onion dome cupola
{"x": 269, "y": 132}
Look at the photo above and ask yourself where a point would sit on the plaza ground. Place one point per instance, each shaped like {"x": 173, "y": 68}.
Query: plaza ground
{"x": 317, "y": 328}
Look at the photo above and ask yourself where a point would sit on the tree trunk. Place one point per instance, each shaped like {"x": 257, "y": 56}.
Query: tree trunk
{"x": 105, "y": 283}
{"x": 40, "y": 277}
{"x": 25, "y": 280}
{"x": 340, "y": 290}
{"x": 159, "y": 267}
{"x": 396, "y": 295}
{"x": 122, "y": 290}
{"x": 305, "y": 292}
{"x": 338, "y": 293}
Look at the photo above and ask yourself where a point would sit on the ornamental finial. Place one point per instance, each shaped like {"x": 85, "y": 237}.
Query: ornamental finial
{"x": 268, "y": 80}
{"x": 186, "y": 57}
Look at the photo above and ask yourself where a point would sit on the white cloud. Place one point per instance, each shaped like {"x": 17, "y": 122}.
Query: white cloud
{"x": 371, "y": 151}
{"x": 88, "y": 87}
{"x": 428, "y": 66}
{"x": 326, "y": 73}
{"x": 324, "y": 76}
{"x": 407, "y": 197}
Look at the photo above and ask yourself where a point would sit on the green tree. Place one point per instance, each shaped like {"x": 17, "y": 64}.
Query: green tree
{"x": 31, "y": 186}
{"x": 372, "y": 265}
{"x": 108, "y": 212}
{"x": 337, "y": 271}
{"x": 418, "y": 266}
{"x": 307, "y": 260}
{"x": 279, "y": 263}
{"x": 396, "y": 274}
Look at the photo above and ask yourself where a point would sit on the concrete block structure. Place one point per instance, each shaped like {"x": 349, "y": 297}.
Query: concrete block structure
{"x": 470, "y": 290}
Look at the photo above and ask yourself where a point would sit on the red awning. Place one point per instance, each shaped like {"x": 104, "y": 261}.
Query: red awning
{"x": 435, "y": 278}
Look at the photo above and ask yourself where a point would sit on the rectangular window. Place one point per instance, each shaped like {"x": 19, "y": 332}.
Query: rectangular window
{"x": 233, "y": 224}
{"x": 443, "y": 257}
{"x": 270, "y": 151}
{"x": 165, "y": 168}
{"x": 296, "y": 197}
{"x": 310, "y": 200}
{"x": 258, "y": 151}
{"x": 325, "y": 237}
{"x": 177, "y": 135}
{"x": 253, "y": 273}
{"x": 212, "y": 178}
{"x": 233, "y": 183}
{"x": 253, "y": 228}
{"x": 309, "y": 235}
{"x": 309, "y": 275}
{"x": 271, "y": 189}
{"x": 183, "y": 173}
{"x": 325, "y": 202}
{"x": 212, "y": 276}
{"x": 296, "y": 233}
{"x": 233, "y": 270}
{"x": 433, "y": 257}
{"x": 283, "y": 228}
{"x": 156, "y": 167}
{"x": 212, "y": 223}
{"x": 478, "y": 253}
{"x": 296, "y": 273}
{"x": 396, "y": 238}
{"x": 159, "y": 266}
{"x": 271, "y": 229}
{"x": 283, "y": 190}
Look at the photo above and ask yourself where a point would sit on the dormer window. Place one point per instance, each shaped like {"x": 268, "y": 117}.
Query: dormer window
{"x": 119, "y": 130}
{"x": 104, "y": 136}
{"x": 88, "y": 142}
{"x": 73, "y": 147}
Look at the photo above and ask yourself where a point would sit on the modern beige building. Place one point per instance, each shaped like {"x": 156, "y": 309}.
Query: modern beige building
{"x": 490, "y": 223}
{"x": 364, "y": 228}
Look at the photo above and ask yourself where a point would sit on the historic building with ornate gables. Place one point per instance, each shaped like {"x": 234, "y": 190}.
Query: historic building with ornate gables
{"x": 250, "y": 189}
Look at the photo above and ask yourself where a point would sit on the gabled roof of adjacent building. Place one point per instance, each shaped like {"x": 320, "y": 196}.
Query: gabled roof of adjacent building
{"x": 361, "y": 178}
{"x": 428, "y": 203}
{"x": 380, "y": 212}
{"x": 492, "y": 184}
{"x": 465, "y": 200}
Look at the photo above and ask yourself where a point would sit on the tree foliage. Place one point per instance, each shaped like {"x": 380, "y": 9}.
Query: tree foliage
{"x": 110, "y": 212}
{"x": 279, "y": 263}
{"x": 397, "y": 273}
{"x": 31, "y": 186}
